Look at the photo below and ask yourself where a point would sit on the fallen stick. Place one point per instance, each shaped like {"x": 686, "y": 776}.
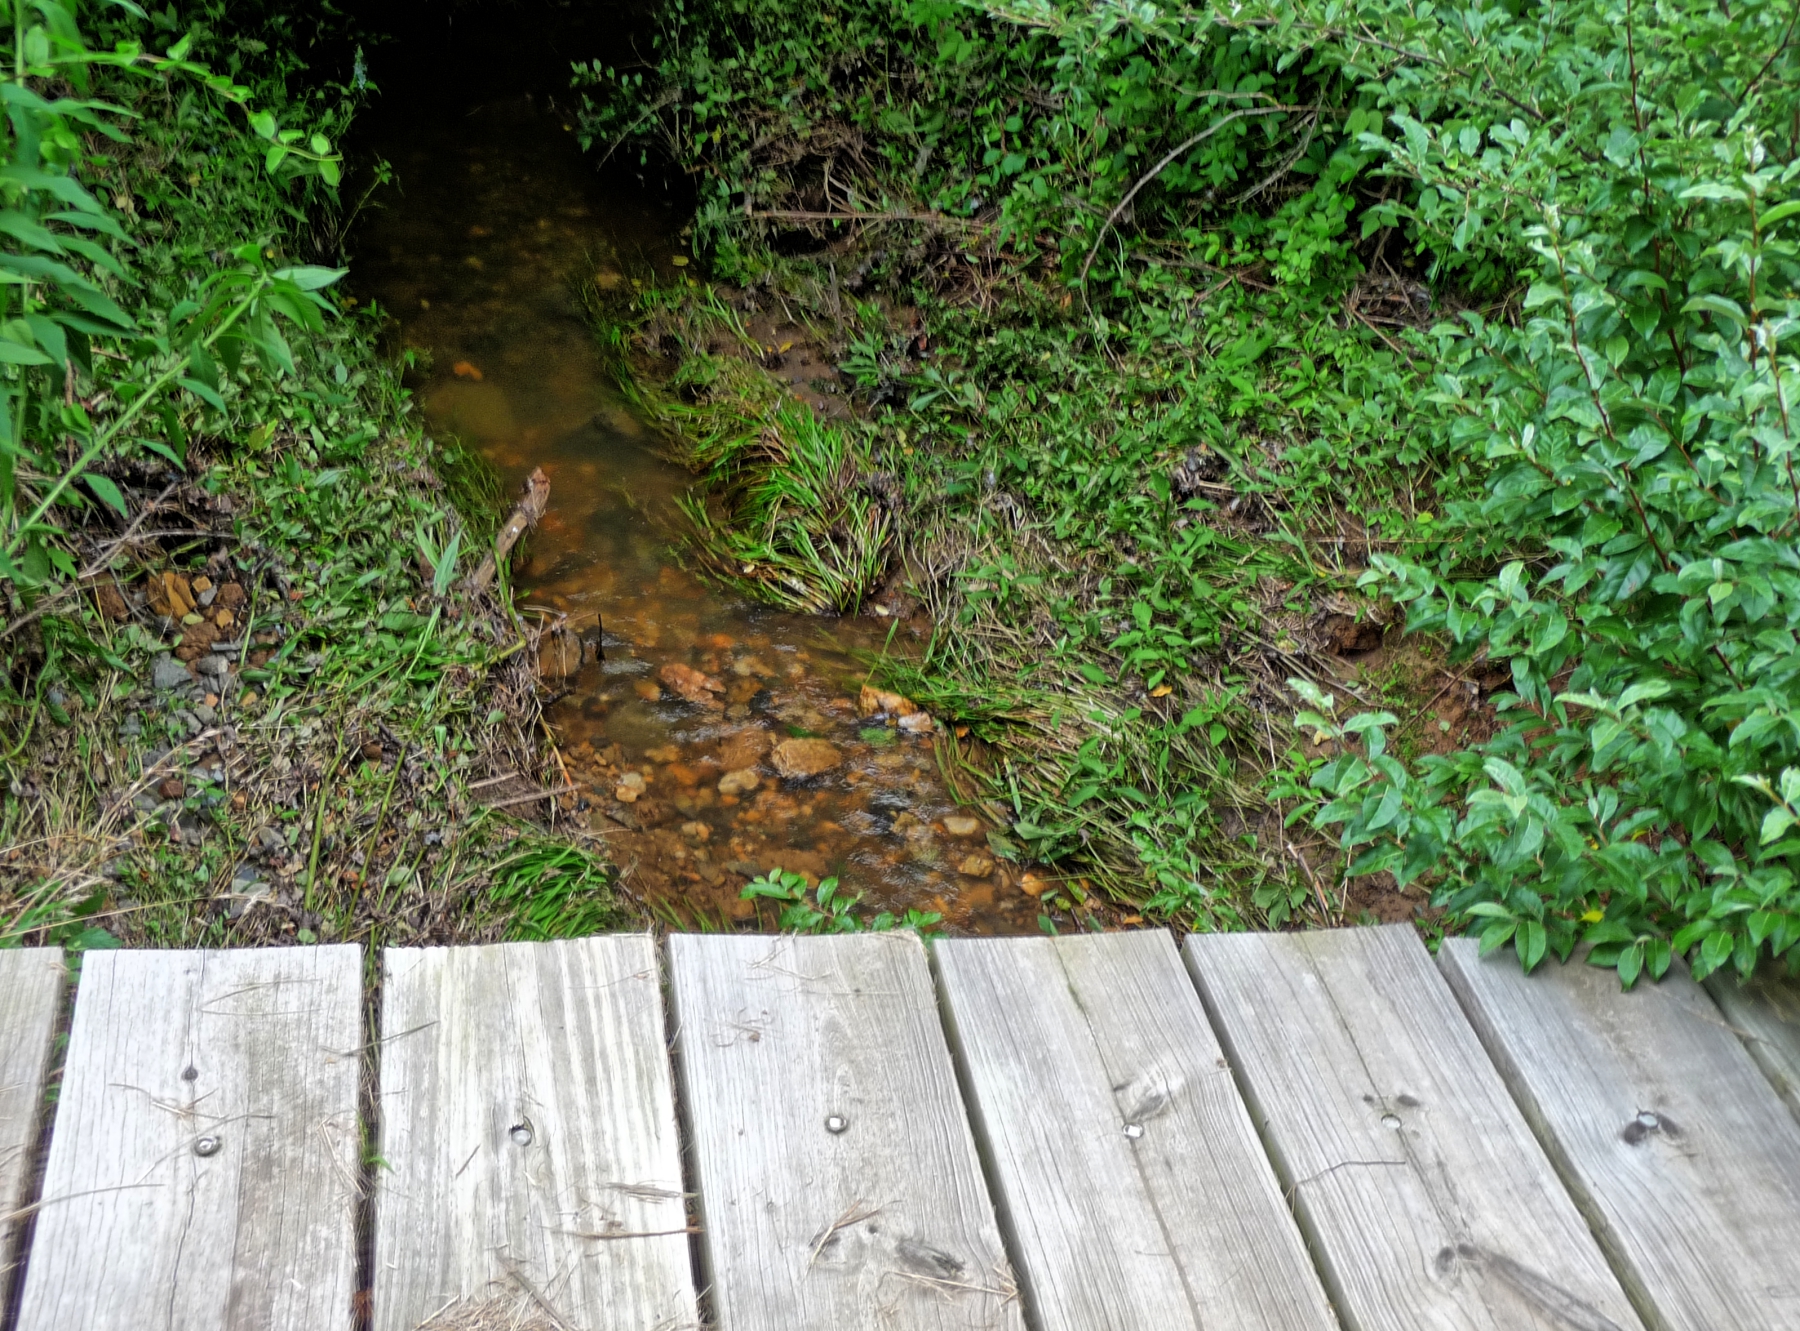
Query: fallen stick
{"x": 533, "y": 797}
{"x": 525, "y": 515}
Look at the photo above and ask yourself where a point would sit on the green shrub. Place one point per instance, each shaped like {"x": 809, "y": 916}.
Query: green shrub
{"x": 1633, "y": 558}
{"x": 102, "y": 361}
{"x": 1023, "y": 123}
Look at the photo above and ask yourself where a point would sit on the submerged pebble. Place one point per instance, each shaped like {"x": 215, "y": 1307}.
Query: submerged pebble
{"x": 799, "y": 759}
{"x": 739, "y": 782}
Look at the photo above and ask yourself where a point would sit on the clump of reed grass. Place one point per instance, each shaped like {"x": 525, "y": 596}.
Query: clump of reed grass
{"x": 783, "y": 509}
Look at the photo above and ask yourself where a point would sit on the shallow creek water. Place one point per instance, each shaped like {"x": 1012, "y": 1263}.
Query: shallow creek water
{"x": 497, "y": 214}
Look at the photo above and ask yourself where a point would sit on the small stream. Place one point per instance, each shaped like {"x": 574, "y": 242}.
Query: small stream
{"x": 475, "y": 254}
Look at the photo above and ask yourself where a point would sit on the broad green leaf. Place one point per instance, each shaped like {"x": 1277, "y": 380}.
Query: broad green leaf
{"x": 1722, "y": 306}
{"x": 310, "y": 279}
{"x": 107, "y": 491}
{"x": 17, "y": 353}
{"x": 1713, "y": 189}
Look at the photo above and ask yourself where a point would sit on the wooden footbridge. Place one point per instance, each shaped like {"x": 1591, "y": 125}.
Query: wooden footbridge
{"x": 1287, "y": 1132}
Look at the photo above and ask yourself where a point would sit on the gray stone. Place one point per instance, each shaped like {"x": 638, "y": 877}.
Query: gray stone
{"x": 213, "y": 664}
{"x": 168, "y": 673}
{"x": 206, "y": 714}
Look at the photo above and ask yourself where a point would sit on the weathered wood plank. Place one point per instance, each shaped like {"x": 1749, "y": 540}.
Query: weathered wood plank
{"x": 31, "y": 985}
{"x": 1765, "y": 1013}
{"x": 838, "y": 1182}
{"x": 1132, "y": 1187}
{"x": 203, "y": 1163}
{"x": 1681, "y": 1154}
{"x": 528, "y": 1129}
{"x": 1424, "y": 1196}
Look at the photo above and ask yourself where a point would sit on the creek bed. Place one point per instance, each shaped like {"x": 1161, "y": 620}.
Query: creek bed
{"x": 476, "y": 255}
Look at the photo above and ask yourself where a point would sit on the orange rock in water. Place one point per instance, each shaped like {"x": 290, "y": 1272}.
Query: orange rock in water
{"x": 878, "y": 702}
{"x": 464, "y": 370}
{"x": 559, "y": 653}
{"x": 691, "y": 684}
{"x": 798, "y": 759}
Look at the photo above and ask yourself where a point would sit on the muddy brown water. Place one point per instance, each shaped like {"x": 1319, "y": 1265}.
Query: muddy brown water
{"x": 476, "y": 255}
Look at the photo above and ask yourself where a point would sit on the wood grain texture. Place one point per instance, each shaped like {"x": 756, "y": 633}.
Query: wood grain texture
{"x": 255, "y": 1049}
{"x": 1107, "y": 1111}
{"x": 31, "y": 986}
{"x": 528, "y": 1127}
{"x": 1680, "y": 1152}
{"x": 884, "y": 1224}
{"x": 1425, "y": 1198}
{"x": 1765, "y": 1013}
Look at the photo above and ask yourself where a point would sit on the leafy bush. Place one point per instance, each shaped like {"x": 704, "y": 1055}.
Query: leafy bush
{"x": 147, "y": 372}
{"x": 183, "y": 396}
{"x": 1632, "y": 417}
{"x": 1026, "y": 122}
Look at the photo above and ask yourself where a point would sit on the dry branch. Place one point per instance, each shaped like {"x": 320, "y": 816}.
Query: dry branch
{"x": 525, "y": 515}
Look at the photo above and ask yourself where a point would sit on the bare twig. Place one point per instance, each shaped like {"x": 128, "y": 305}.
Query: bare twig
{"x": 800, "y": 215}
{"x": 493, "y": 780}
{"x": 1172, "y": 154}
{"x": 533, "y": 797}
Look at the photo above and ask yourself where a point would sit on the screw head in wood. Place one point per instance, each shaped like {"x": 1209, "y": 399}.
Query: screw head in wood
{"x": 836, "y": 1123}
{"x": 1134, "y": 1130}
{"x": 1391, "y": 1121}
{"x": 521, "y": 1134}
{"x": 206, "y": 1146}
